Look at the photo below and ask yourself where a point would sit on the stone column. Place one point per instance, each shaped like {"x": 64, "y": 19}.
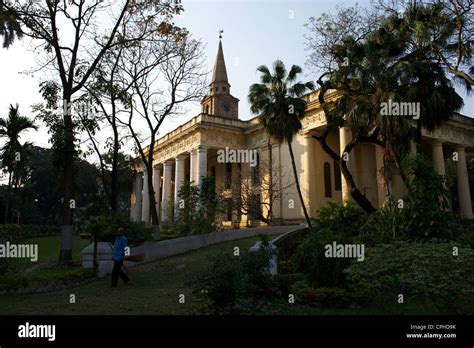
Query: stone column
{"x": 464, "y": 193}
{"x": 157, "y": 188}
{"x": 133, "y": 200}
{"x": 138, "y": 197}
{"x": 178, "y": 178}
{"x": 438, "y": 157}
{"x": 345, "y": 137}
{"x": 309, "y": 180}
{"x": 145, "y": 200}
{"x": 381, "y": 189}
{"x": 201, "y": 164}
{"x": 167, "y": 171}
{"x": 192, "y": 166}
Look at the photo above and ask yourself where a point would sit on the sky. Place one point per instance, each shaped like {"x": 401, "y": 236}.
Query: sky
{"x": 256, "y": 32}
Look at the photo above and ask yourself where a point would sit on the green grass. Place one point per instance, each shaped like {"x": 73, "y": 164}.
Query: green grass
{"x": 48, "y": 247}
{"x": 154, "y": 289}
{"x": 25, "y": 273}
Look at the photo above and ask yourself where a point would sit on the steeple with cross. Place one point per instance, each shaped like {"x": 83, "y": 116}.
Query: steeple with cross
{"x": 219, "y": 101}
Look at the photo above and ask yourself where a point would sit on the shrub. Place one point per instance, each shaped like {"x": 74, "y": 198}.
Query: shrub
{"x": 233, "y": 284}
{"x": 13, "y": 232}
{"x": 106, "y": 227}
{"x": 421, "y": 215}
{"x": 333, "y": 297}
{"x": 284, "y": 281}
{"x": 323, "y": 297}
{"x": 55, "y": 276}
{"x": 424, "y": 273}
{"x": 387, "y": 224}
{"x": 310, "y": 260}
{"x": 426, "y": 203}
{"x": 466, "y": 237}
{"x": 196, "y": 208}
{"x": 344, "y": 219}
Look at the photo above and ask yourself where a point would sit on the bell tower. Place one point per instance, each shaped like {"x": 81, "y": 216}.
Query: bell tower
{"x": 219, "y": 101}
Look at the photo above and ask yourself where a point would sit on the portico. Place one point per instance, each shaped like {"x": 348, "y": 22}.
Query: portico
{"x": 190, "y": 152}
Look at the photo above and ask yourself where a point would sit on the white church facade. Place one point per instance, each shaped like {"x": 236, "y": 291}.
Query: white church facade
{"x": 191, "y": 152}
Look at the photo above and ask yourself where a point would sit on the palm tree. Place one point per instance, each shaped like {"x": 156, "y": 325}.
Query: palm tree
{"x": 277, "y": 100}
{"x": 392, "y": 63}
{"x": 10, "y": 28}
{"x": 13, "y": 152}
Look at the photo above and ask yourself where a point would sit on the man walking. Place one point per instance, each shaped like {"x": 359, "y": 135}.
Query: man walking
{"x": 119, "y": 254}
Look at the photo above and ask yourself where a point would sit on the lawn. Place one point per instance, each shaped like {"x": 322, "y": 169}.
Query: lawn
{"x": 154, "y": 289}
{"x": 48, "y": 247}
{"x": 24, "y": 273}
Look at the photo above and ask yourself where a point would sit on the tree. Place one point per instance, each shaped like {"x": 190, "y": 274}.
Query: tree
{"x": 111, "y": 94}
{"x": 277, "y": 100}
{"x": 265, "y": 181}
{"x": 14, "y": 154}
{"x": 74, "y": 58}
{"x": 163, "y": 75}
{"x": 389, "y": 64}
{"x": 9, "y": 27}
{"x": 447, "y": 30}
{"x": 39, "y": 194}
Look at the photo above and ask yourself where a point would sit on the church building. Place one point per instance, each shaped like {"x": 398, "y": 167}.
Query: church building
{"x": 191, "y": 152}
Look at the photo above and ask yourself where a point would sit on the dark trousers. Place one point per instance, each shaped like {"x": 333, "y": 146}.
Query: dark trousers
{"x": 116, "y": 272}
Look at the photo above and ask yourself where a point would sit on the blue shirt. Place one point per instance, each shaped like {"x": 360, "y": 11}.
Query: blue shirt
{"x": 119, "y": 247}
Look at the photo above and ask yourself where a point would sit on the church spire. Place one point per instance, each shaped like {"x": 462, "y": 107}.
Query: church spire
{"x": 219, "y": 73}
{"x": 219, "y": 101}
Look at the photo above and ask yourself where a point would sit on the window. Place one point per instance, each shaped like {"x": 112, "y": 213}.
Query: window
{"x": 207, "y": 109}
{"x": 256, "y": 172}
{"x": 327, "y": 180}
{"x": 224, "y": 89}
{"x": 228, "y": 175}
{"x": 255, "y": 208}
{"x": 337, "y": 177}
{"x": 217, "y": 89}
{"x": 229, "y": 209}
{"x": 213, "y": 173}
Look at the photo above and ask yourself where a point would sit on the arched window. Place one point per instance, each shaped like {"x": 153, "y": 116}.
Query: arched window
{"x": 256, "y": 171}
{"x": 229, "y": 209}
{"x": 213, "y": 173}
{"x": 207, "y": 109}
{"x": 327, "y": 180}
{"x": 337, "y": 177}
{"x": 228, "y": 175}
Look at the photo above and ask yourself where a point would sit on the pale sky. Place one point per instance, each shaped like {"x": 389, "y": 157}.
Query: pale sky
{"x": 255, "y": 32}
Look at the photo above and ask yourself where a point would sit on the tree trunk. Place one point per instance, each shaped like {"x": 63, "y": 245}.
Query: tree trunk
{"x": 114, "y": 174}
{"x": 65, "y": 254}
{"x": 298, "y": 188}
{"x": 270, "y": 174}
{"x": 151, "y": 195}
{"x": 94, "y": 262}
{"x": 361, "y": 200}
{"x": 7, "y": 205}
